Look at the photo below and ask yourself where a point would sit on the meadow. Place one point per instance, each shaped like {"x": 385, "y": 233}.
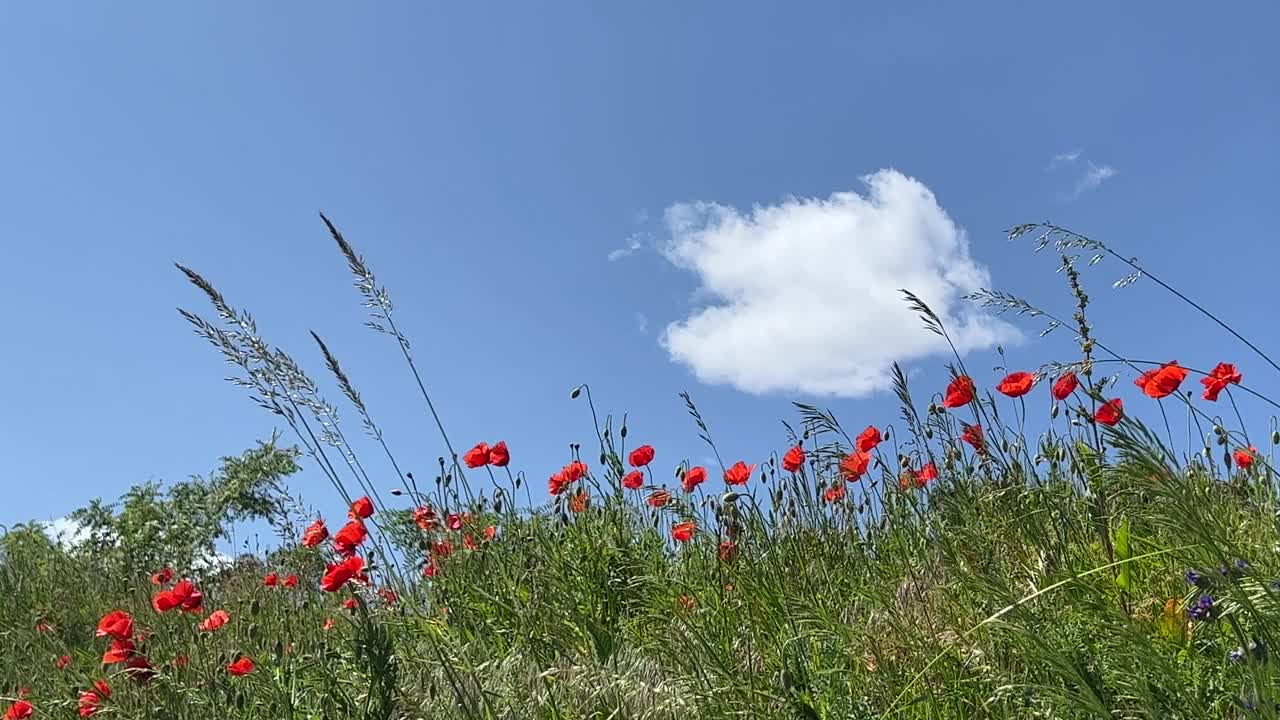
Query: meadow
{"x": 946, "y": 563}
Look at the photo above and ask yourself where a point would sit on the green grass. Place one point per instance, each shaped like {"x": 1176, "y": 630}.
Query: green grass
{"x": 1043, "y": 578}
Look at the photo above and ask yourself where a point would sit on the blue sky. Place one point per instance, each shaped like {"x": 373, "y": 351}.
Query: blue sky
{"x": 490, "y": 161}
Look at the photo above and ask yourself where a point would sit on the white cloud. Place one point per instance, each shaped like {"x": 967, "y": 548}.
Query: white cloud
{"x": 1066, "y": 158}
{"x": 1094, "y": 174}
{"x": 65, "y": 531}
{"x": 1092, "y": 178}
{"x": 632, "y": 245}
{"x": 805, "y": 293}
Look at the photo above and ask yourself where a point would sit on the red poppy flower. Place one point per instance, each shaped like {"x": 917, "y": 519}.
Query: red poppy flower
{"x": 328, "y": 624}
{"x": 641, "y": 456}
{"x": 633, "y": 480}
{"x": 102, "y": 688}
{"x": 338, "y": 575}
{"x": 120, "y": 651}
{"x": 184, "y": 596}
{"x": 687, "y": 603}
{"x": 20, "y": 710}
{"x": 425, "y": 517}
{"x": 163, "y": 577}
{"x": 499, "y": 455}
{"x": 43, "y": 626}
{"x": 490, "y": 533}
{"x": 350, "y": 604}
{"x": 854, "y": 465}
{"x": 575, "y": 471}
{"x": 441, "y": 548}
{"x": 63, "y": 662}
{"x": 1110, "y": 412}
{"x": 350, "y": 537}
{"x": 658, "y": 498}
{"x": 693, "y": 478}
{"x": 216, "y": 619}
{"x": 793, "y": 460}
{"x": 907, "y": 479}
{"x": 477, "y": 456}
{"x": 868, "y": 439}
{"x": 469, "y": 543}
{"x": 139, "y": 669}
{"x": 454, "y": 521}
{"x": 974, "y": 436}
{"x": 683, "y": 531}
{"x": 429, "y": 570}
{"x": 117, "y": 624}
{"x": 291, "y": 581}
{"x": 361, "y": 509}
{"x": 1065, "y": 385}
{"x": 960, "y": 392}
{"x": 1216, "y": 381}
{"x": 1017, "y": 384}
{"x": 578, "y": 503}
{"x": 1244, "y": 458}
{"x": 1163, "y": 381}
{"x": 728, "y": 551}
{"x": 315, "y": 534}
{"x": 271, "y": 580}
{"x": 556, "y": 484}
{"x": 738, "y": 474}
{"x": 88, "y": 703}
{"x": 242, "y": 666}
{"x": 388, "y": 596}
{"x": 927, "y": 473}
{"x": 180, "y": 661}
{"x": 834, "y": 493}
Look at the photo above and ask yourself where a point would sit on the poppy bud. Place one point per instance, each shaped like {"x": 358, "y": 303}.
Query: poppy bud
{"x": 1053, "y": 411}
{"x": 1275, "y": 437}
{"x": 279, "y": 650}
{"x": 1222, "y": 439}
{"x": 730, "y": 498}
{"x": 306, "y": 605}
{"x": 887, "y": 434}
{"x": 397, "y": 492}
{"x": 573, "y": 395}
{"x": 928, "y": 433}
{"x": 253, "y": 631}
{"x": 604, "y": 459}
{"x": 519, "y": 481}
{"x": 805, "y": 436}
{"x": 623, "y": 432}
{"x": 255, "y": 606}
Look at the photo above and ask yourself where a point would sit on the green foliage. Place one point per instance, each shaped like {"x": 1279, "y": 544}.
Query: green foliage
{"x": 153, "y": 526}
